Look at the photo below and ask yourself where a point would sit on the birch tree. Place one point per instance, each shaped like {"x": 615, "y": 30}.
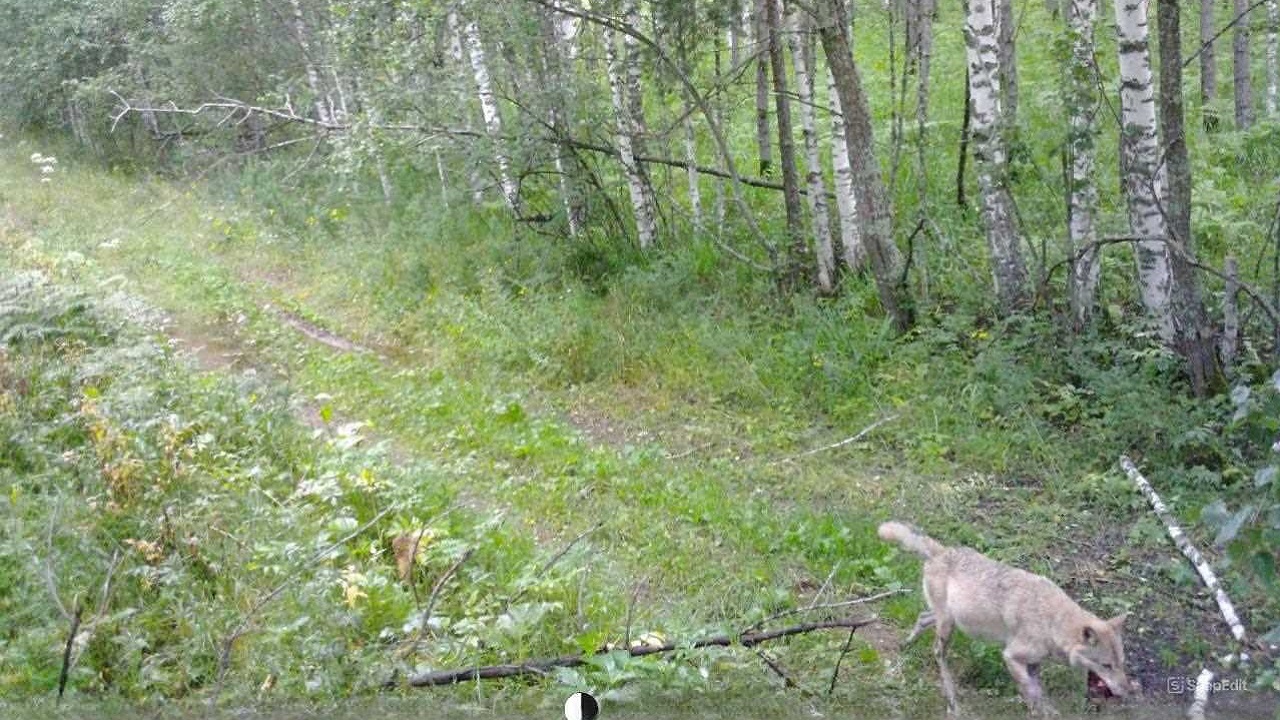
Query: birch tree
{"x": 1006, "y": 25}
{"x": 556, "y": 52}
{"x": 1240, "y": 70}
{"x": 302, "y": 35}
{"x": 489, "y": 110}
{"x": 764, "y": 143}
{"x": 786, "y": 141}
{"x": 1208, "y": 66}
{"x": 851, "y": 248}
{"x": 990, "y": 156}
{"x": 798, "y": 37}
{"x": 872, "y": 198}
{"x": 621, "y": 68}
{"x": 1142, "y": 173}
{"x": 1083, "y": 194}
{"x": 1195, "y": 340}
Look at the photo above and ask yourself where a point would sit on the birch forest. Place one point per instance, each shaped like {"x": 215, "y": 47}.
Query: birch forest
{"x": 352, "y": 348}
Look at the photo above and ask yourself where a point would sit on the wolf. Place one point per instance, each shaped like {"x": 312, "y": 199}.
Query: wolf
{"x": 1028, "y": 614}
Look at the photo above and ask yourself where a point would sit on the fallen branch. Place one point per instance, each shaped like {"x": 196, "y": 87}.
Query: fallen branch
{"x": 542, "y": 667}
{"x": 1184, "y": 544}
{"x": 550, "y": 563}
{"x": 440, "y": 583}
{"x": 1201, "y": 698}
{"x": 66, "y": 652}
{"x": 861, "y": 434}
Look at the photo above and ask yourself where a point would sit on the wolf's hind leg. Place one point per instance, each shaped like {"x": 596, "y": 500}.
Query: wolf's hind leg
{"x": 942, "y": 635}
{"x": 924, "y": 622}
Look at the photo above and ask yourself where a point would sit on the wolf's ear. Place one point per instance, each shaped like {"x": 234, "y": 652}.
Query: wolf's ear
{"x": 1117, "y": 622}
{"x": 1090, "y": 635}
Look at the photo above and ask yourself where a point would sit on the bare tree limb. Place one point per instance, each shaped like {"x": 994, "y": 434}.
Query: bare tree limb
{"x": 440, "y": 583}
{"x": 541, "y": 667}
{"x": 861, "y": 434}
{"x": 1235, "y": 21}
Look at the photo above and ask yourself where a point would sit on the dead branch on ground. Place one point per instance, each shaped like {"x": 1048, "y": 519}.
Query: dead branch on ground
{"x": 542, "y": 667}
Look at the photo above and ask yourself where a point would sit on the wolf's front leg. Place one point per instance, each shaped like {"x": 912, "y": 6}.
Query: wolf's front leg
{"x": 1027, "y": 676}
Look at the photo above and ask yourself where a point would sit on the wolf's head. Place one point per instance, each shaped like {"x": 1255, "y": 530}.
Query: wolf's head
{"x": 1099, "y": 648}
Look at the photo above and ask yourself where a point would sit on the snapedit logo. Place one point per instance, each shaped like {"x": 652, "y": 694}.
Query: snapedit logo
{"x": 1182, "y": 684}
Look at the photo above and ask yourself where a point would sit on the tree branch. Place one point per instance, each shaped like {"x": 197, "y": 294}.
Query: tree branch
{"x": 542, "y": 667}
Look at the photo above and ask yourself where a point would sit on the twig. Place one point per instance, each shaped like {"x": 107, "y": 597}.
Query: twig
{"x": 1224, "y": 29}
{"x": 835, "y": 672}
{"x": 224, "y": 658}
{"x": 1201, "y": 697}
{"x": 541, "y": 667}
{"x": 861, "y": 434}
{"x": 66, "y": 652}
{"x": 831, "y": 606}
{"x": 1184, "y": 544}
{"x": 776, "y": 668}
{"x": 435, "y": 589}
{"x": 552, "y": 561}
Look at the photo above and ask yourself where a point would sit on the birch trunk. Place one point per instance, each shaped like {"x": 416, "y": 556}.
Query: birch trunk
{"x": 922, "y": 50}
{"x": 990, "y": 158}
{"x": 556, "y": 52}
{"x": 852, "y": 250}
{"x": 1243, "y": 86}
{"x": 764, "y": 142}
{"x": 637, "y": 178}
{"x": 802, "y": 57}
{"x": 786, "y": 142}
{"x": 1208, "y": 66}
{"x": 1195, "y": 341}
{"x": 1006, "y": 24}
{"x": 489, "y": 109}
{"x": 1083, "y": 199}
{"x": 1273, "y": 63}
{"x": 872, "y": 199}
{"x": 302, "y": 33}
{"x": 1143, "y": 175}
{"x": 691, "y": 157}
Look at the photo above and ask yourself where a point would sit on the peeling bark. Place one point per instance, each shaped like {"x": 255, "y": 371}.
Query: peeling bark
{"x": 990, "y": 156}
{"x": 798, "y": 37}
{"x": 1083, "y": 196}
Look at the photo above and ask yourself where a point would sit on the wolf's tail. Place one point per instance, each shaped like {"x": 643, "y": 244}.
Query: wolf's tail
{"x": 916, "y": 542}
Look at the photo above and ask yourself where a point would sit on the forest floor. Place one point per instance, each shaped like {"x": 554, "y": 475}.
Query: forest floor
{"x": 707, "y": 506}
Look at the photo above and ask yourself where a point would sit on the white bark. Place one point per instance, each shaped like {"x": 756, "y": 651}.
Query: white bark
{"x": 1143, "y": 174}
{"x": 1200, "y": 698}
{"x": 851, "y": 248}
{"x": 455, "y": 36}
{"x": 637, "y": 180}
{"x": 990, "y": 158}
{"x": 1273, "y": 66}
{"x": 798, "y": 34}
{"x": 489, "y": 109}
{"x": 1083, "y": 200}
{"x": 1229, "y": 342}
{"x": 691, "y": 157}
{"x": 303, "y": 35}
{"x": 1184, "y": 545}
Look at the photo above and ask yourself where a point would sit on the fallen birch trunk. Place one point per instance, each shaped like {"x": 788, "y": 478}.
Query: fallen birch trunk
{"x": 541, "y": 667}
{"x": 1201, "y": 697}
{"x": 1184, "y": 544}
